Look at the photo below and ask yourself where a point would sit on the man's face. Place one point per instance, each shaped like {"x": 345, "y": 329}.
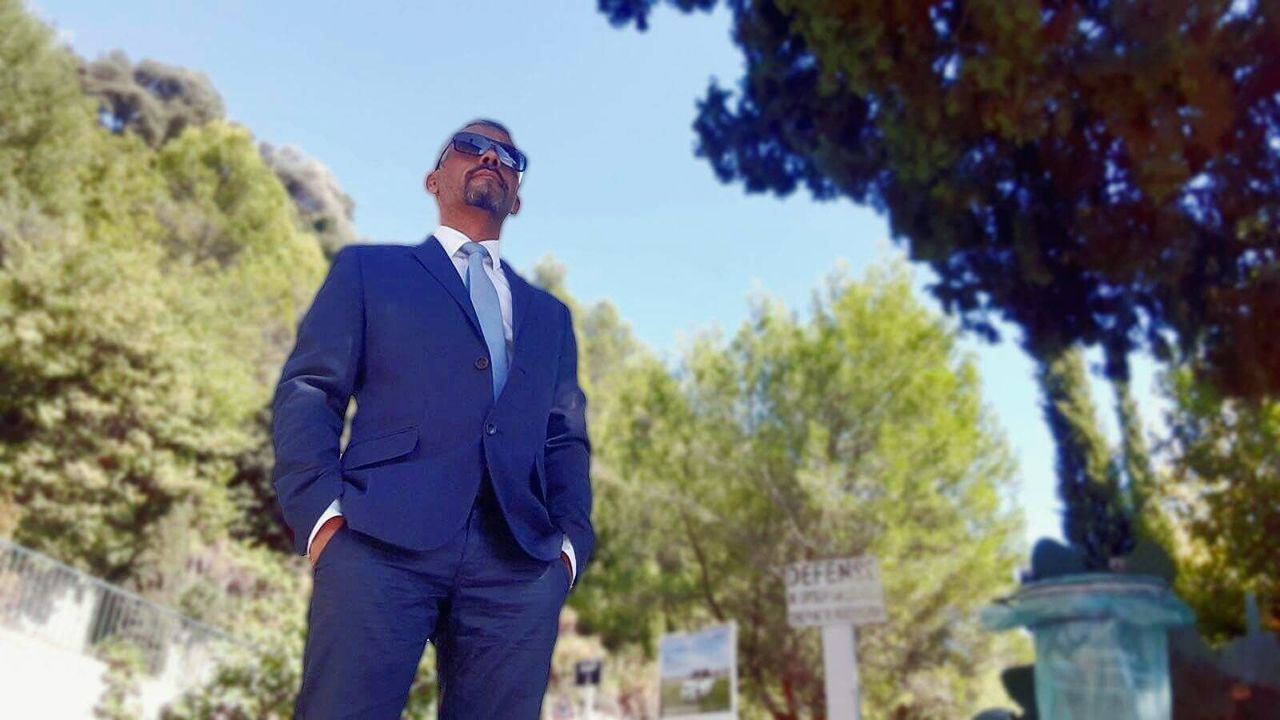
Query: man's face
{"x": 476, "y": 181}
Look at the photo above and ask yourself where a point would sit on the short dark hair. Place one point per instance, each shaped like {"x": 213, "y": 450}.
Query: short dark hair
{"x": 486, "y": 122}
{"x": 483, "y": 122}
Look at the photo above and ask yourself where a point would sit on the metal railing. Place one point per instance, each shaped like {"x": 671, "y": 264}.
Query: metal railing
{"x": 46, "y": 599}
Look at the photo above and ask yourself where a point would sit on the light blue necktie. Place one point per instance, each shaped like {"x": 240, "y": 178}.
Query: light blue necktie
{"x": 484, "y": 298}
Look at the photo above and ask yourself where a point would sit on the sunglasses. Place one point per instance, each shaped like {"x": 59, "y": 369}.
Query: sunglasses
{"x": 470, "y": 143}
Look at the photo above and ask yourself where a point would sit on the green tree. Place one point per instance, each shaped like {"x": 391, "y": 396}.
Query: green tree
{"x": 1102, "y": 172}
{"x": 119, "y": 700}
{"x": 157, "y": 102}
{"x": 154, "y": 100}
{"x": 95, "y": 431}
{"x": 1223, "y": 488}
{"x": 1097, "y": 512}
{"x": 146, "y": 301}
{"x": 325, "y": 210}
{"x": 860, "y": 431}
{"x": 45, "y": 123}
{"x": 1151, "y": 521}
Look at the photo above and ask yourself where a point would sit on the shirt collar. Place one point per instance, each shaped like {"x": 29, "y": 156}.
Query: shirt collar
{"x": 452, "y": 240}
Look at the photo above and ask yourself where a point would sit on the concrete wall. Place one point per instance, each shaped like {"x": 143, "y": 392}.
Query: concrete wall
{"x": 40, "y": 679}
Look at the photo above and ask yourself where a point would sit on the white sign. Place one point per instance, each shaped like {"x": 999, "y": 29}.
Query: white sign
{"x": 840, "y": 591}
{"x": 699, "y": 674}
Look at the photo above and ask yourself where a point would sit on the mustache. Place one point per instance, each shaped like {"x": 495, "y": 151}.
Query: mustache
{"x": 496, "y": 174}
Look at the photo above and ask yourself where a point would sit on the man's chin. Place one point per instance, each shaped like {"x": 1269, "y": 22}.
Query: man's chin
{"x": 488, "y": 201}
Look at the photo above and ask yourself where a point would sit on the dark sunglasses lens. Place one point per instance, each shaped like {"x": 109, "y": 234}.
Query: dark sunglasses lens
{"x": 470, "y": 144}
{"x": 518, "y": 160}
{"x": 511, "y": 156}
{"x": 474, "y": 144}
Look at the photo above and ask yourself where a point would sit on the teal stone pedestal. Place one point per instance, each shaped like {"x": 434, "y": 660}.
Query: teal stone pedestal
{"x": 1101, "y": 644}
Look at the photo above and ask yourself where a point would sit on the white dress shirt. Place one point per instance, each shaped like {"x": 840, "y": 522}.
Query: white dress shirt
{"x": 452, "y": 241}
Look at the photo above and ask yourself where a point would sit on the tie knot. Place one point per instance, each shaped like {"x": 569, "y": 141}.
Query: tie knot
{"x": 472, "y": 248}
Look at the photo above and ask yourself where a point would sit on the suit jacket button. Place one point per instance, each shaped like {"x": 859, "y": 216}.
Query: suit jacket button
{"x": 482, "y": 363}
{"x": 490, "y": 429}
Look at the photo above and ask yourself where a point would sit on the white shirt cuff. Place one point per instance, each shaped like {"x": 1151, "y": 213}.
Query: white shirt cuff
{"x": 334, "y": 510}
{"x": 566, "y": 547}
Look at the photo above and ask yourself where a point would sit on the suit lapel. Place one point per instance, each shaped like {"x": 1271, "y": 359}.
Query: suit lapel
{"x": 521, "y": 296}
{"x": 431, "y": 255}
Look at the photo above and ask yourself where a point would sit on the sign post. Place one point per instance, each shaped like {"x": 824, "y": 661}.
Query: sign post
{"x": 587, "y": 676}
{"x": 840, "y": 663}
{"x": 837, "y": 595}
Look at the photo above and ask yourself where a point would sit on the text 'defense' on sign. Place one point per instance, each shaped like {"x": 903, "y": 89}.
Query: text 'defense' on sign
{"x": 836, "y": 591}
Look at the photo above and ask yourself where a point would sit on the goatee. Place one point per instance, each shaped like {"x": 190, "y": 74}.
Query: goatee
{"x": 485, "y": 195}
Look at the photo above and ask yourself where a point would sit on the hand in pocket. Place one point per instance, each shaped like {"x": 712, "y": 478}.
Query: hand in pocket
{"x": 324, "y": 535}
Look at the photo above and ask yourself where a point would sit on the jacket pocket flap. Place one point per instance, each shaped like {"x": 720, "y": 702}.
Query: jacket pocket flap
{"x": 383, "y": 447}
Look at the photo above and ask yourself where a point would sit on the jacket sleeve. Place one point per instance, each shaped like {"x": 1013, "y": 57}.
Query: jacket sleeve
{"x": 311, "y": 398}
{"x": 568, "y": 454}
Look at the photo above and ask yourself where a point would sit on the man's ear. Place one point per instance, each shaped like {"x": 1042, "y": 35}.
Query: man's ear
{"x": 515, "y": 206}
{"x": 430, "y": 183}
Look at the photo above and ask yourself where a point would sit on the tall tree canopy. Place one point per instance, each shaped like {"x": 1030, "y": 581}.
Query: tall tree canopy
{"x": 322, "y": 205}
{"x": 44, "y": 137}
{"x": 1223, "y": 488}
{"x": 1096, "y": 518}
{"x": 860, "y": 431}
{"x": 154, "y": 100}
{"x": 147, "y": 299}
{"x": 1096, "y": 171}
{"x": 158, "y": 102}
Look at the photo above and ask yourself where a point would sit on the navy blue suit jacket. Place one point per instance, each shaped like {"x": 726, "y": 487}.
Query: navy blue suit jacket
{"x": 393, "y": 325}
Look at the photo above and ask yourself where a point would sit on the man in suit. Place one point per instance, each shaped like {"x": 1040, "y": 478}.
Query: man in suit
{"x": 460, "y": 511}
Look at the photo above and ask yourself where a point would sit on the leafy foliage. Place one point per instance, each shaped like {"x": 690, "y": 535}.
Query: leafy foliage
{"x": 120, "y": 699}
{"x": 858, "y": 432}
{"x": 45, "y": 123}
{"x": 1094, "y": 172}
{"x": 146, "y": 300}
{"x": 1223, "y": 488}
{"x": 138, "y": 342}
{"x": 323, "y": 207}
{"x": 154, "y": 100}
{"x": 1097, "y": 517}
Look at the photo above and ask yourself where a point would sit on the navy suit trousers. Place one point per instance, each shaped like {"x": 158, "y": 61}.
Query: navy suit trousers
{"x": 491, "y": 610}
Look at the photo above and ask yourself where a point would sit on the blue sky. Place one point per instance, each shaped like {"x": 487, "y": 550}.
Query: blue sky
{"x": 710, "y": 649}
{"x": 613, "y": 191}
